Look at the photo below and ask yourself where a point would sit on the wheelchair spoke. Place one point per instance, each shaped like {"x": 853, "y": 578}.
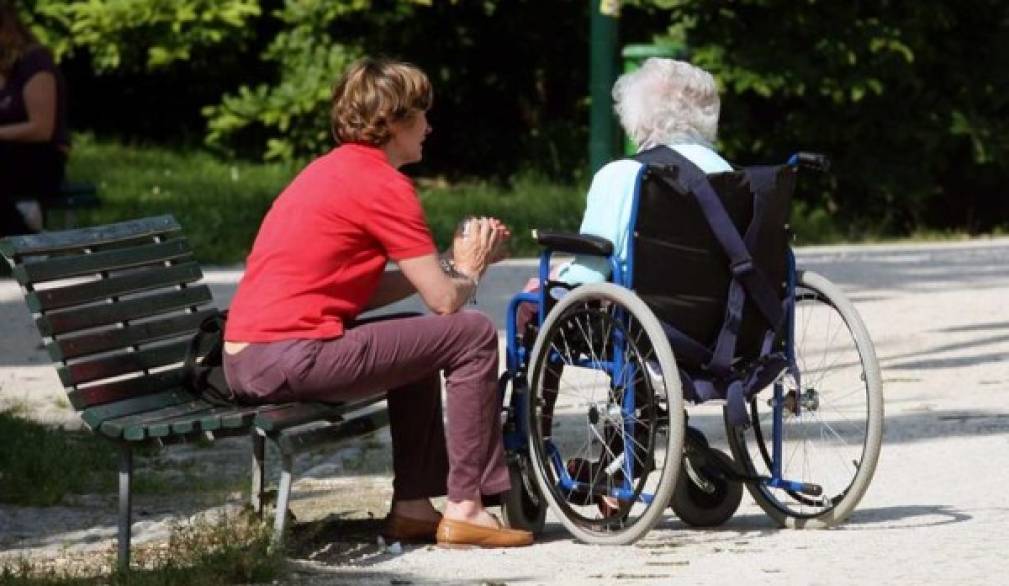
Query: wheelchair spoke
{"x": 830, "y": 424}
{"x": 605, "y": 439}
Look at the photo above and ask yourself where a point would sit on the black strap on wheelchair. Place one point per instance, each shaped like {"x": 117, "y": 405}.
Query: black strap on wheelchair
{"x": 747, "y": 279}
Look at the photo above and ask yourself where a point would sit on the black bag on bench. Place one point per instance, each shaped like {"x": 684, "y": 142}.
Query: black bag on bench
{"x": 205, "y": 376}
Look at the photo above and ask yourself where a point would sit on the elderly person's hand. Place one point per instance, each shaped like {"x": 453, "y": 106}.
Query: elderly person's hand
{"x": 474, "y": 246}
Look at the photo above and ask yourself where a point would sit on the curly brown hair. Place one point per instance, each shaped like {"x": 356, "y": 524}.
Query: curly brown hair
{"x": 15, "y": 37}
{"x": 374, "y": 93}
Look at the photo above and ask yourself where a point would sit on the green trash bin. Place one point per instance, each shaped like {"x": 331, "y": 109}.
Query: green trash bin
{"x": 635, "y": 55}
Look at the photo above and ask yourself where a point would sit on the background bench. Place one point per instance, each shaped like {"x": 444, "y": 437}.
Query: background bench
{"x": 70, "y": 198}
{"x": 116, "y": 306}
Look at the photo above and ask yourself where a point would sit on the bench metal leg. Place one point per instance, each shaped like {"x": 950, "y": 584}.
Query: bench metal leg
{"x": 258, "y": 470}
{"x": 125, "y": 505}
{"x": 283, "y": 497}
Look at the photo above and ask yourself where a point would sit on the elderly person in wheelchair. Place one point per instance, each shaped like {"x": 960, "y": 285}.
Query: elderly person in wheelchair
{"x": 683, "y": 290}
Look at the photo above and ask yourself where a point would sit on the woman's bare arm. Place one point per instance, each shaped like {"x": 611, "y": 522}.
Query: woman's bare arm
{"x": 393, "y": 287}
{"x": 442, "y": 293}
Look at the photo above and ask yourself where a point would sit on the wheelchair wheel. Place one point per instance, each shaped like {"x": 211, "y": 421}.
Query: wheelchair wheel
{"x": 704, "y": 497}
{"x": 605, "y": 424}
{"x": 831, "y": 418}
{"x": 523, "y": 507}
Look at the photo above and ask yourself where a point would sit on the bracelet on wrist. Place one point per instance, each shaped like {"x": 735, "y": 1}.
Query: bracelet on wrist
{"x": 449, "y": 267}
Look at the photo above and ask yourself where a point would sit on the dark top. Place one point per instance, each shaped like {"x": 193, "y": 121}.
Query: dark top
{"x": 12, "y": 103}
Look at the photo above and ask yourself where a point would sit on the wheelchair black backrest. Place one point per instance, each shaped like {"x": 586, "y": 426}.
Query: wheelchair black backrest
{"x": 680, "y": 269}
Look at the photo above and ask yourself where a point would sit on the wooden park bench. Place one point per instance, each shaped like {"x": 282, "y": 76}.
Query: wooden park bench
{"x": 117, "y": 306}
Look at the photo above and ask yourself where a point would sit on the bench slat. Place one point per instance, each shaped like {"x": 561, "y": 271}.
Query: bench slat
{"x": 230, "y": 421}
{"x": 93, "y": 396}
{"x": 48, "y": 242}
{"x": 95, "y": 417}
{"x": 122, "y": 363}
{"x": 132, "y": 427}
{"x": 182, "y": 419}
{"x": 62, "y": 267}
{"x": 132, "y": 335}
{"x": 72, "y": 320}
{"x": 218, "y": 418}
{"x": 297, "y": 441}
{"x": 297, "y": 414}
{"x": 162, "y": 425}
{"x": 56, "y": 298}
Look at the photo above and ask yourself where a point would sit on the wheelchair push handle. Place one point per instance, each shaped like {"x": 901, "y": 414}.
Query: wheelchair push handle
{"x": 814, "y": 161}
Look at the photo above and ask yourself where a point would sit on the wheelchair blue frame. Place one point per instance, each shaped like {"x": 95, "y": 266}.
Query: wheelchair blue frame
{"x": 517, "y": 363}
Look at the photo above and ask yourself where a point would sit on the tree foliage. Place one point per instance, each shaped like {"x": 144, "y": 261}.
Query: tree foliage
{"x": 141, "y": 33}
{"x": 496, "y": 73}
{"x": 910, "y": 99}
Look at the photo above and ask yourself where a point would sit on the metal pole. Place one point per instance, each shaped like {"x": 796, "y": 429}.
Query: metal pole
{"x": 283, "y": 498}
{"x": 603, "y": 72}
{"x": 125, "y": 506}
{"x": 258, "y": 465}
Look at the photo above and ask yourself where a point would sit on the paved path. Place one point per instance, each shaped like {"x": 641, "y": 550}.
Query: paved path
{"x": 936, "y": 511}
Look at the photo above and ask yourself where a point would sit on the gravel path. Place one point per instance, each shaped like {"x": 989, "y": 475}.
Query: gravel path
{"x": 939, "y": 317}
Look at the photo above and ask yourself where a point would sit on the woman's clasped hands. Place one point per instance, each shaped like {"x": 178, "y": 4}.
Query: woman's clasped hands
{"x": 479, "y": 243}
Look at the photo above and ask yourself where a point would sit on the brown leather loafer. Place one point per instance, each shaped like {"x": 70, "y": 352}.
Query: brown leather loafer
{"x": 452, "y": 533}
{"x": 409, "y": 530}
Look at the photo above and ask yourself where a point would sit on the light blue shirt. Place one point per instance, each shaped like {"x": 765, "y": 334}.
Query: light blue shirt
{"x": 608, "y": 208}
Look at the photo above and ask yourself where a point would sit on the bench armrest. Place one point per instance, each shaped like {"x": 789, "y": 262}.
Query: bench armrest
{"x": 574, "y": 243}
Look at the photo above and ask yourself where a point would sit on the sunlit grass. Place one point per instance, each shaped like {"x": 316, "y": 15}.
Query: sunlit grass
{"x": 225, "y": 549}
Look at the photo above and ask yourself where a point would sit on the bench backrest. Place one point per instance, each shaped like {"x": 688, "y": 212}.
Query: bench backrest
{"x": 116, "y": 306}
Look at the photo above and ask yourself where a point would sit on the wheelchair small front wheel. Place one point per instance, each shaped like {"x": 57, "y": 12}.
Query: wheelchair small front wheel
{"x": 831, "y": 414}
{"x": 523, "y": 507}
{"x": 605, "y": 417}
{"x": 704, "y": 497}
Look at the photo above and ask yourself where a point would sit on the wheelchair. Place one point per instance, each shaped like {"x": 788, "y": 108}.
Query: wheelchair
{"x": 707, "y": 306}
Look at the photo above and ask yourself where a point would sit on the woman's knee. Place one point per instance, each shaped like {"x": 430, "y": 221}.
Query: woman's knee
{"x": 479, "y": 328}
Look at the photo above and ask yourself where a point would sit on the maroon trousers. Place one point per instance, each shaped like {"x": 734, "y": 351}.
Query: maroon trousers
{"x": 402, "y": 357}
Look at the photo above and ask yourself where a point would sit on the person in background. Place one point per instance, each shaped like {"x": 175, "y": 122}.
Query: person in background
{"x": 664, "y": 104}
{"x": 319, "y": 260}
{"x": 34, "y": 141}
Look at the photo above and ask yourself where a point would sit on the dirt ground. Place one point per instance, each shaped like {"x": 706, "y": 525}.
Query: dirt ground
{"x": 934, "y": 513}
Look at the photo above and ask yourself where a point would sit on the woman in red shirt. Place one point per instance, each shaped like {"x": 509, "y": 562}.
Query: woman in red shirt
{"x": 319, "y": 260}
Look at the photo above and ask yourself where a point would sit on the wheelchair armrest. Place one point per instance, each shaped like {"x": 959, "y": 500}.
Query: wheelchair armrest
{"x": 574, "y": 243}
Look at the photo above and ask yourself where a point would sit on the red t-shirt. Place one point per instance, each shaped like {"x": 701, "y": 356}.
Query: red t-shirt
{"x": 323, "y": 246}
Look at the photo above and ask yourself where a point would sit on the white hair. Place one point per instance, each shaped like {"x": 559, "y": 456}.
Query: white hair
{"x": 667, "y": 102}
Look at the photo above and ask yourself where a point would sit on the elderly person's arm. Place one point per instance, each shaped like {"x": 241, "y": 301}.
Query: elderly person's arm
{"x": 40, "y": 102}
